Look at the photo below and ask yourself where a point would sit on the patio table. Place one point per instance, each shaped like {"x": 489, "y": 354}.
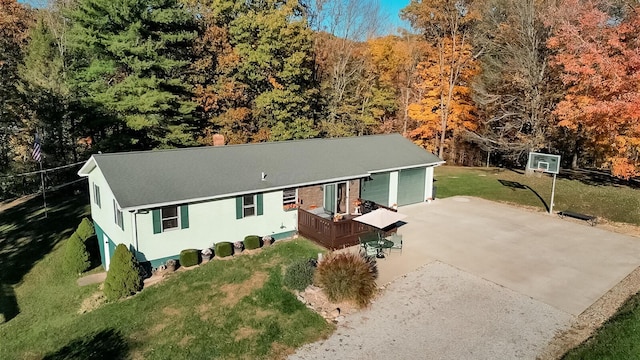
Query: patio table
{"x": 380, "y": 245}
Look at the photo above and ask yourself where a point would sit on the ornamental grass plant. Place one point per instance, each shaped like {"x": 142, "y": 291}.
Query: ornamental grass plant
{"x": 347, "y": 277}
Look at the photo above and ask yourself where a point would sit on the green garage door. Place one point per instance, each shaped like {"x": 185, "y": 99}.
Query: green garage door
{"x": 376, "y": 189}
{"x": 411, "y": 186}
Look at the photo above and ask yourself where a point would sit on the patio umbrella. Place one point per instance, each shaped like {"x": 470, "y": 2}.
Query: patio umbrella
{"x": 380, "y": 218}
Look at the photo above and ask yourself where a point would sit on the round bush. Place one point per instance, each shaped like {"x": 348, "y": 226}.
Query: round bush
{"x": 189, "y": 257}
{"x": 347, "y": 277}
{"x": 123, "y": 277}
{"x": 85, "y": 229}
{"x": 252, "y": 242}
{"x": 76, "y": 256}
{"x": 224, "y": 249}
{"x": 299, "y": 275}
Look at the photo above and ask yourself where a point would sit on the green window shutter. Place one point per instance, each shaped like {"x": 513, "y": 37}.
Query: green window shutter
{"x": 157, "y": 225}
{"x": 239, "y": 207}
{"x": 184, "y": 216}
{"x": 259, "y": 204}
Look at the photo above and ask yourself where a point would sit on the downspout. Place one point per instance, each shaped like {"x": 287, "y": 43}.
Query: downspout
{"x": 135, "y": 230}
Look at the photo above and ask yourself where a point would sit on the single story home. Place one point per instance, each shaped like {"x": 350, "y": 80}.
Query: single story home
{"x": 161, "y": 202}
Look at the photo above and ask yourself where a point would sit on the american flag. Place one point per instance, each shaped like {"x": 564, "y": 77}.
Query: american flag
{"x": 36, "y": 153}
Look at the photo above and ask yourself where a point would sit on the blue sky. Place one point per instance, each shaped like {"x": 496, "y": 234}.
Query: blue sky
{"x": 392, "y": 9}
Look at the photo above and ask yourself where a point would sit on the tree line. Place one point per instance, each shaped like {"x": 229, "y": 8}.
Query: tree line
{"x": 471, "y": 77}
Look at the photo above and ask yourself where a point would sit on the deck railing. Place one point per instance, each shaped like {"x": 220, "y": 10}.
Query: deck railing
{"x": 328, "y": 233}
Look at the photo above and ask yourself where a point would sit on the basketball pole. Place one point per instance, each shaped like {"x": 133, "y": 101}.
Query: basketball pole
{"x": 553, "y": 193}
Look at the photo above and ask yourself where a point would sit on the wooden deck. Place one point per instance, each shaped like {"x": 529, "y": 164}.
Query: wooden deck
{"x": 328, "y": 233}
{"x": 332, "y": 234}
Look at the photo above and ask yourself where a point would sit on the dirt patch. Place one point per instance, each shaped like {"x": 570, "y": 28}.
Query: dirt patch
{"x": 261, "y": 313}
{"x": 245, "y": 333}
{"x": 137, "y": 355}
{"x": 92, "y": 302}
{"x": 156, "y": 329}
{"x": 593, "y": 318}
{"x": 281, "y": 351}
{"x": 203, "y": 310}
{"x": 171, "y": 311}
{"x": 185, "y": 341}
{"x": 8, "y": 204}
{"x": 235, "y": 292}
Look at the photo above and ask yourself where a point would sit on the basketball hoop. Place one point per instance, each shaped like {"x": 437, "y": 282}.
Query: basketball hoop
{"x": 539, "y": 171}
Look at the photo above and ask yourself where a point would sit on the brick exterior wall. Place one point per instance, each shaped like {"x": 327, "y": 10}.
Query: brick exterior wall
{"x": 313, "y": 197}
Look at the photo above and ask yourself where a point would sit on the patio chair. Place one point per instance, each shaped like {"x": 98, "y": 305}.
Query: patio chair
{"x": 370, "y": 250}
{"x": 397, "y": 242}
{"x": 365, "y": 238}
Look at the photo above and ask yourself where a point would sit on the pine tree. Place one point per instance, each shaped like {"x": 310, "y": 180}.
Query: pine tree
{"x": 76, "y": 257}
{"x": 254, "y": 76}
{"x": 123, "y": 278}
{"x": 130, "y": 62}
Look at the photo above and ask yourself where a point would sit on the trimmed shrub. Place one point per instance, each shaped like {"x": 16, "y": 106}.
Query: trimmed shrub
{"x": 189, "y": 257}
{"x": 76, "y": 256}
{"x": 123, "y": 277}
{"x": 299, "y": 275}
{"x": 85, "y": 229}
{"x": 347, "y": 277}
{"x": 251, "y": 242}
{"x": 224, "y": 249}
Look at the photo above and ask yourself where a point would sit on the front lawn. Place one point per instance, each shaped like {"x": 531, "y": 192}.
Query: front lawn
{"x": 225, "y": 309}
{"x": 604, "y": 197}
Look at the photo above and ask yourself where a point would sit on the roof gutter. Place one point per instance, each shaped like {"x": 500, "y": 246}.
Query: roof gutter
{"x": 408, "y": 167}
{"x": 87, "y": 167}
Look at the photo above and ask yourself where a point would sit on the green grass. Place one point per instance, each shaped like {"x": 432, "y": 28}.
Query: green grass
{"x": 618, "y": 338}
{"x": 224, "y": 309}
{"x": 602, "y": 197}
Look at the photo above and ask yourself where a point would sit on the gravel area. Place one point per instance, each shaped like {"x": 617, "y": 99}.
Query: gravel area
{"x": 440, "y": 312}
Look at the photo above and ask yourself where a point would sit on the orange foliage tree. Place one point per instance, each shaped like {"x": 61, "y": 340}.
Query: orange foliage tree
{"x": 446, "y": 106}
{"x": 597, "y": 48}
{"x": 394, "y": 61}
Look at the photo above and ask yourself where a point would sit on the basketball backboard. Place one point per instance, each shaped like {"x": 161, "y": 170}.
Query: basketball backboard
{"x": 544, "y": 162}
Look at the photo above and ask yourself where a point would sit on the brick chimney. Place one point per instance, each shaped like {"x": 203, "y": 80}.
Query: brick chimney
{"x": 218, "y": 140}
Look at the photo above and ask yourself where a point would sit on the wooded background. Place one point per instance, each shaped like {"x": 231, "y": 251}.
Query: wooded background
{"x": 471, "y": 78}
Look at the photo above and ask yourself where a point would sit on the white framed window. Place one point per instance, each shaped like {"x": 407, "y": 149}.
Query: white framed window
{"x": 170, "y": 217}
{"x": 96, "y": 195}
{"x": 117, "y": 215}
{"x": 290, "y": 199}
{"x": 248, "y": 205}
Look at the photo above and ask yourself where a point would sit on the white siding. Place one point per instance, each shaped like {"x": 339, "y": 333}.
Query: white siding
{"x": 103, "y": 215}
{"x": 212, "y": 222}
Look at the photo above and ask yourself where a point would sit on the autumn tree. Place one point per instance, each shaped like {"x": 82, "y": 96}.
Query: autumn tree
{"x": 354, "y": 102}
{"x": 597, "y": 50}
{"x": 395, "y": 60}
{"x": 15, "y": 21}
{"x": 446, "y": 75}
{"x": 254, "y": 72}
{"x": 130, "y": 61}
{"x": 515, "y": 91}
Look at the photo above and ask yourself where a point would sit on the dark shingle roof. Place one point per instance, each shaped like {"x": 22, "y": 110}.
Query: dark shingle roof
{"x": 154, "y": 178}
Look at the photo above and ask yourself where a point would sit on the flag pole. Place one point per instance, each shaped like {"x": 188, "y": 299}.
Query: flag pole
{"x": 36, "y": 154}
{"x": 44, "y": 194}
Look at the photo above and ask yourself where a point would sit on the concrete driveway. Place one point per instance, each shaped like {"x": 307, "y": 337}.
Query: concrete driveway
{"x": 480, "y": 280}
{"x": 565, "y": 264}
